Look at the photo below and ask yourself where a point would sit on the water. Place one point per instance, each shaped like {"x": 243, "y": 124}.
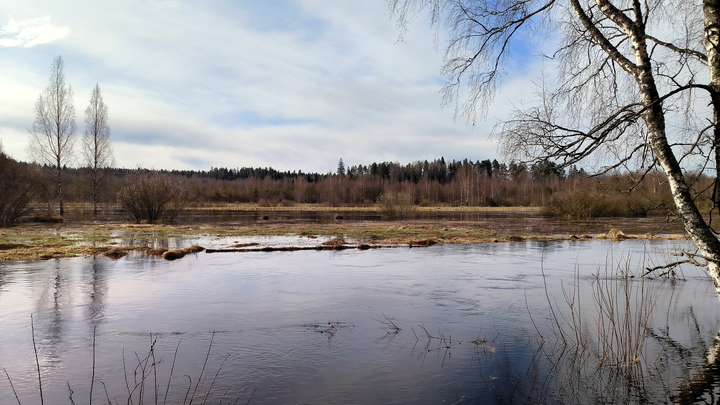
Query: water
{"x": 501, "y": 221}
{"x": 315, "y": 326}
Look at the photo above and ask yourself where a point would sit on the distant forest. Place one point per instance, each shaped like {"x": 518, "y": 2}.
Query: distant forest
{"x": 562, "y": 192}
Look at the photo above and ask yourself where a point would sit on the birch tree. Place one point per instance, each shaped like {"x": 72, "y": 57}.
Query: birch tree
{"x": 637, "y": 86}
{"x": 52, "y": 133}
{"x": 96, "y": 142}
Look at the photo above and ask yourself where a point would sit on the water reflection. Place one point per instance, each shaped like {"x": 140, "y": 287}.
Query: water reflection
{"x": 506, "y": 222}
{"x": 475, "y": 324}
{"x": 95, "y": 283}
{"x": 51, "y": 304}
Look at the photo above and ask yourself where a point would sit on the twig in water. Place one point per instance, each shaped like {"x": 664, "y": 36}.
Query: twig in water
{"x": 189, "y": 388}
{"x": 92, "y": 379}
{"x": 154, "y": 367}
{"x": 390, "y": 326}
{"x": 127, "y": 385}
{"x": 12, "y": 386}
{"x": 207, "y": 356}
{"x": 172, "y": 368}
{"x": 71, "y": 392}
{"x": 37, "y": 360}
{"x": 429, "y": 336}
{"x": 212, "y": 383}
{"x": 251, "y": 396}
{"x": 106, "y": 393}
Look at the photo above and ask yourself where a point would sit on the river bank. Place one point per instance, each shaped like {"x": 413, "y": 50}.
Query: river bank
{"x": 54, "y": 241}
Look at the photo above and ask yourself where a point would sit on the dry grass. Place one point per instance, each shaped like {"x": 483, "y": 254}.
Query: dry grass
{"x": 52, "y": 241}
{"x": 242, "y": 207}
{"x": 42, "y": 242}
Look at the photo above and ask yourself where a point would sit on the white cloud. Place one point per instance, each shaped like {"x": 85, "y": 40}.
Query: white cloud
{"x": 30, "y": 32}
{"x": 293, "y": 84}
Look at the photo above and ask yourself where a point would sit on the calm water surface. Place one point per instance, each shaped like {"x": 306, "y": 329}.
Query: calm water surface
{"x": 506, "y": 222}
{"x": 312, "y": 327}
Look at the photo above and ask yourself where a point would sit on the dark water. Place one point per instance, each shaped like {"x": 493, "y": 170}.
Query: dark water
{"x": 313, "y": 327}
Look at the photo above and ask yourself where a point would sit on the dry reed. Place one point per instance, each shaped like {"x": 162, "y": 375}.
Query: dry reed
{"x": 143, "y": 386}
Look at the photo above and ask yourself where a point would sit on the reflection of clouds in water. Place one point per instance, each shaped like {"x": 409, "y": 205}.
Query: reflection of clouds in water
{"x": 477, "y": 298}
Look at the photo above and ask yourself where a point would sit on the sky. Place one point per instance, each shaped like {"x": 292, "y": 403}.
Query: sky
{"x": 288, "y": 84}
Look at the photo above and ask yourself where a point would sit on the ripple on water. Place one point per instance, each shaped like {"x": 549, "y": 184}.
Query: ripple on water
{"x": 308, "y": 325}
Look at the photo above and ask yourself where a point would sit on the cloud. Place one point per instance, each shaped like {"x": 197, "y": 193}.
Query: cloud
{"x": 293, "y": 84}
{"x": 30, "y": 32}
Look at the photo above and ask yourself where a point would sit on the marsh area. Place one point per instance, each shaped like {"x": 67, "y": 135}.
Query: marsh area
{"x": 529, "y": 321}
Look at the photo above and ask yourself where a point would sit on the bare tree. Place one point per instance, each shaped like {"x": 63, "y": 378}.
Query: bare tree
{"x": 96, "y": 141}
{"x": 638, "y": 86}
{"x": 51, "y": 135}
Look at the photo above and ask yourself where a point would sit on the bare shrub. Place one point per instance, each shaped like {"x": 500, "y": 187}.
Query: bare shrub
{"x": 153, "y": 197}
{"x": 426, "y": 202}
{"x": 19, "y": 185}
{"x": 579, "y": 203}
{"x": 396, "y": 206}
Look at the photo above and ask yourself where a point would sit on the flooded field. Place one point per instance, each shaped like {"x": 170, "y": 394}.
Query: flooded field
{"x": 525, "y": 322}
{"x": 509, "y": 221}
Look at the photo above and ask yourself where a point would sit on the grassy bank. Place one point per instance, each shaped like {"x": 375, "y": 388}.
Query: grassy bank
{"x": 42, "y": 242}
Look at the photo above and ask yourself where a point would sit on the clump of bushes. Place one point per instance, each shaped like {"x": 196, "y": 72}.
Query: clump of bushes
{"x": 579, "y": 204}
{"x": 153, "y": 197}
{"x": 19, "y": 184}
{"x": 396, "y": 206}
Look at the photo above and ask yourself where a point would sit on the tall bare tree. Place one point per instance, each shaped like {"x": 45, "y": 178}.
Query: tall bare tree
{"x": 52, "y": 133}
{"x": 96, "y": 141}
{"x": 637, "y": 86}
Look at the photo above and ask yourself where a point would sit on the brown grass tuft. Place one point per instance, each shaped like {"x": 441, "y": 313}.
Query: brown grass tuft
{"x": 116, "y": 253}
{"x": 422, "y": 243}
{"x": 194, "y": 249}
{"x": 156, "y": 251}
{"x": 174, "y": 254}
{"x": 334, "y": 242}
{"x": 613, "y": 234}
